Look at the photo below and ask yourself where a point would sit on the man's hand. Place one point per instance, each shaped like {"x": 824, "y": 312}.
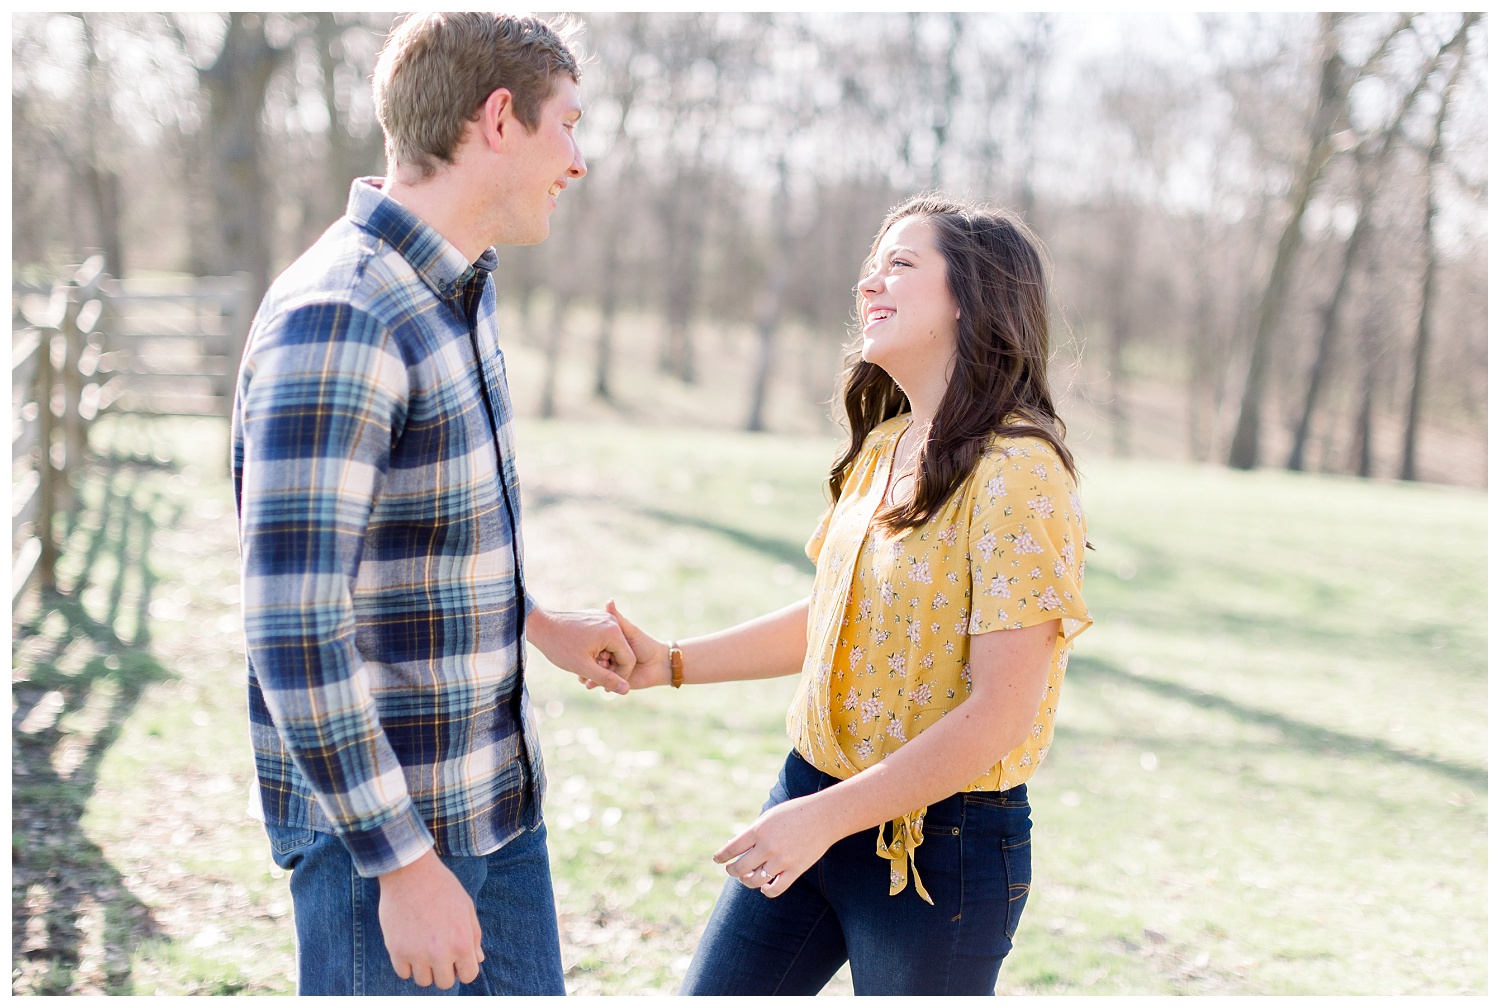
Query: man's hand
{"x": 778, "y": 847}
{"x": 588, "y": 643}
{"x": 429, "y": 924}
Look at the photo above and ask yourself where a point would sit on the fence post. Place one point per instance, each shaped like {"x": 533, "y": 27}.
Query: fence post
{"x": 46, "y": 503}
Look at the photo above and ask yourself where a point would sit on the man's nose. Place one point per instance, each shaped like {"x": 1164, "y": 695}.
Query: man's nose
{"x": 577, "y": 169}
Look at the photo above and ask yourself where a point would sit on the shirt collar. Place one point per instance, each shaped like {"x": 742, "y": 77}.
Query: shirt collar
{"x": 435, "y": 259}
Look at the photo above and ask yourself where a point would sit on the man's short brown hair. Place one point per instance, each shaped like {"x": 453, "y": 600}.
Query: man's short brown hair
{"x": 437, "y": 69}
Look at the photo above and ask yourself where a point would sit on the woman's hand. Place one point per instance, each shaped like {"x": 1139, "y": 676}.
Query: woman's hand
{"x": 778, "y": 847}
{"x": 651, "y": 655}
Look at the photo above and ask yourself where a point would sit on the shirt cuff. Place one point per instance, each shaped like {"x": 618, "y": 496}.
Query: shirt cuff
{"x": 530, "y": 603}
{"x": 393, "y": 844}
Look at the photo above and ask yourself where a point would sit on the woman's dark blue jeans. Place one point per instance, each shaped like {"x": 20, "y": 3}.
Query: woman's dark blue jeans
{"x": 975, "y": 861}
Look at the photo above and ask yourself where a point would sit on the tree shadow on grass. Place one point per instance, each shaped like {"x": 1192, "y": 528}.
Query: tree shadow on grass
{"x": 77, "y": 677}
{"x": 781, "y": 550}
{"x": 1311, "y": 737}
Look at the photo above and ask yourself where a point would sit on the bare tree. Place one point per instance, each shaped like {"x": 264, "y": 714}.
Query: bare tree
{"x": 1335, "y": 80}
{"x": 1423, "y": 340}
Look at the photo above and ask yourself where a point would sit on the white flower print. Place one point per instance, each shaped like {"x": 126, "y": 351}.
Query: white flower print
{"x": 879, "y": 636}
{"x": 1036, "y": 572}
{"x": 914, "y": 633}
{"x": 870, "y": 710}
{"x": 866, "y": 606}
{"x": 975, "y": 625}
{"x": 1068, "y": 554}
{"x": 1059, "y": 569}
{"x": 1049, "y": 600}
{"x": 1026, "y": 543}
{"x": 856, "y": 656}
{"x": 1037, "y": 729}
{"x": 926, "y": 662}
{"x": 922, "y": 693}
{"x": 996, "y": 486}
{"x": 949, "y": 535}
{"x": 888, "y": 593}
{"x": 894, "y": 728}
{"x": 939, "y": 600}
{"x": 1075, "y": 504}
{"x": 1039, "y": 471}
{"x": 865, "y": 749}
{"x": 953, "y": 577}
{"x": 948, "y": 647}
{"x": 987, "y": 544}
{"x": 999, "y": 586}
{"x": 898, "y": 547}
{"x": 897, "y": 662}
{"x": 921, "y": 572}
{"x": 1026, "y": 759}
{"x": 1041, "y": 505}
{"x": 851, "y": 699}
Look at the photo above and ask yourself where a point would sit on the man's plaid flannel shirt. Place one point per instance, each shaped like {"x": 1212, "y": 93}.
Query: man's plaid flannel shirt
{"x": 380, "y": 547}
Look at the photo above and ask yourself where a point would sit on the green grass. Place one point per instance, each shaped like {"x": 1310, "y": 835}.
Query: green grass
{"x": 1269, "y": 778}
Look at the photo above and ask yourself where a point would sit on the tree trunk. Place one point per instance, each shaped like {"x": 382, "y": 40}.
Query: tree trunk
{"x": 770, "y": 301}
{"x": 100, "y": 182}
{"x": 236, "y": 87}
{"x": 1323, "y": 359}
{"x": 340, "y": 169}
{"x": 1333, "y": 89}
{"x": 1422, "y": 343}
{"x": 560, "y": 304}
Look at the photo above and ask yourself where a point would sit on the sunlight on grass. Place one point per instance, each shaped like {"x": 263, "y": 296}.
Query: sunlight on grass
{"x": 1269, "y": 777}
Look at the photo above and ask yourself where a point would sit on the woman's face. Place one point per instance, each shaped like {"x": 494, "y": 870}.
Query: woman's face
{"x": 909, "y": 315}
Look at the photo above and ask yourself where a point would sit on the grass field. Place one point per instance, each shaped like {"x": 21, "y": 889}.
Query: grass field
{"x": 1270, "y": 773}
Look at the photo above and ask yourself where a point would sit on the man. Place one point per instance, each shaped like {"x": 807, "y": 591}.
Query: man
{"x": 385, "y": 610}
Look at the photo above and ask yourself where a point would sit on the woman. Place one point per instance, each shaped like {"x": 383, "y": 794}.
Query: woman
{"x": 932, "y": 647}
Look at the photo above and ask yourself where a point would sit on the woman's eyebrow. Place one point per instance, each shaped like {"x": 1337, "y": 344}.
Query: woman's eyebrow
{"x": 901, "y": 249}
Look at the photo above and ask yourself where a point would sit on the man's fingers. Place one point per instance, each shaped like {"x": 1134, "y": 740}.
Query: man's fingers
{"x": 421, "y": 974}
{"x": 604, "y": 677}
{"x": 619, "y": 650}
{"x": 403, "y": 969}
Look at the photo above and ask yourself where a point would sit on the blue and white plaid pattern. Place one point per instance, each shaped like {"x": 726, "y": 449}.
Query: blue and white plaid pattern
{"x": 380, "y": 547}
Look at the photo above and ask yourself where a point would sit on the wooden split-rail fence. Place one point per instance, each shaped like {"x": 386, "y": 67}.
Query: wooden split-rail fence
{"x": 94, "y": 345}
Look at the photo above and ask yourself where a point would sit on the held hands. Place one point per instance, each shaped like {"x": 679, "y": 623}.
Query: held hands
{"x": 431, "y": 931}
{"x": 651, "y": 667}
{"x": 586, "y": 642}
{"x": 778, "y": 847}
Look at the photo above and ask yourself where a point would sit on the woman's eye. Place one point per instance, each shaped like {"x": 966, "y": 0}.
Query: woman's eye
{"x": 899, "y": 262}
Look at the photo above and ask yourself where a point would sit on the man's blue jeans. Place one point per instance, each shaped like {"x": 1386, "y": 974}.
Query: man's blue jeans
{"x": 340, "y": 949}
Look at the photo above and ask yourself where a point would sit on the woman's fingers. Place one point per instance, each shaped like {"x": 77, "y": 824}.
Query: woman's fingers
{"x": 735, "y": 847}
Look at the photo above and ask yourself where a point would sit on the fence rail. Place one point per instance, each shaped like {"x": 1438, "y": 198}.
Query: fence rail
{"x": 94, "y": 345}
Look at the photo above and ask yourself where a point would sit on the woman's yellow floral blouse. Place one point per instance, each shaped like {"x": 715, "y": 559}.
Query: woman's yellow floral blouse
{"x": 892, "y": 614}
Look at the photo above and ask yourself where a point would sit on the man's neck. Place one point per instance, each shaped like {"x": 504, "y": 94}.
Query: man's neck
{"x": 441, "y": 204}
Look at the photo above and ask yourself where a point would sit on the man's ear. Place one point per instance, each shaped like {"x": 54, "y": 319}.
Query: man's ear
{"x": 497, "y": 118}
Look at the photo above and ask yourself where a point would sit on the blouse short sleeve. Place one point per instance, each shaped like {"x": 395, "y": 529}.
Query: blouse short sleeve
{"x": 1026, "y": 541}
{"x": 815, "y": 544}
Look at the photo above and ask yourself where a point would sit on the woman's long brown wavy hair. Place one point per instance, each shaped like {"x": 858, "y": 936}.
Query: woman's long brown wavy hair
{"x": 998, "y": 276}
